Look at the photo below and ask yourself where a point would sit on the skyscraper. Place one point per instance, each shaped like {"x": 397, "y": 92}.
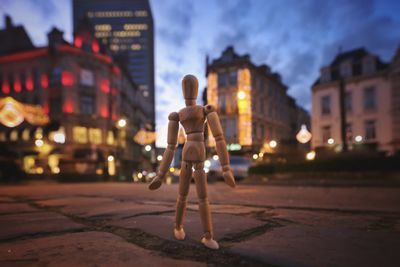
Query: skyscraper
{"x": 126, "y": 28}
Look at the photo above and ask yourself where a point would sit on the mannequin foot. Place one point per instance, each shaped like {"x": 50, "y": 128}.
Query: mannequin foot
{"x": 210, "y": 243}
{"x": 179, "y": 234}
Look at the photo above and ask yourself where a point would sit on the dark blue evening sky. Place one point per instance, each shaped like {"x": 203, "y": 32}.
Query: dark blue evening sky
{"x": 295, "y": 38}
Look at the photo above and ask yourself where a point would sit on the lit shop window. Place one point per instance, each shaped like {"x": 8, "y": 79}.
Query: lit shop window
{"x": 95, "y": 136}
{"x": 137, "y": 27}
{"x": 80, "y": 134}
{"x": 110, "y": 138}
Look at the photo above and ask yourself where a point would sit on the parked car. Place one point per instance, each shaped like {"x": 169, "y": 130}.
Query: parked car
{"x": 239, "y": 167}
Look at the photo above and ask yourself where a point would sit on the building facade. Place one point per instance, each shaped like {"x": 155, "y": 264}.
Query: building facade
{"x": 85, "y": 95}
{"x": 371, "y": 103}
{"x": 126, "y": 28}
{"x": 253, "y": 105}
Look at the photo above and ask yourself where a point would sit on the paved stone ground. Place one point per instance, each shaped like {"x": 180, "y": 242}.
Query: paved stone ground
{"x": 115, "y": 224}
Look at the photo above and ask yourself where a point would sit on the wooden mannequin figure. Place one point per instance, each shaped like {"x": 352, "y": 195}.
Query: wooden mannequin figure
{"x": 193, "y": 118}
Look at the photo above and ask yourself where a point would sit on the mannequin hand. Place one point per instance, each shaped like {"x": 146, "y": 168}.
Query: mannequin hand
{"x": 229, "y": 179}
{"x": 156, "y": 182}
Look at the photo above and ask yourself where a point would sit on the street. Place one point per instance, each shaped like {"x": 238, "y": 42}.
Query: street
{"x": 125, "y": 224}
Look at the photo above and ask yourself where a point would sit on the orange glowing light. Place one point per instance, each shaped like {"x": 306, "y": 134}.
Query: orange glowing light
{"x": 13, "y": 113}
{"x": 67, "y": 78}
{"x": 244, "y": 107}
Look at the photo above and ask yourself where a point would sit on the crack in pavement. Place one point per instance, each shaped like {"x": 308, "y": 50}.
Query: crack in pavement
{"x": 171, "y": 249}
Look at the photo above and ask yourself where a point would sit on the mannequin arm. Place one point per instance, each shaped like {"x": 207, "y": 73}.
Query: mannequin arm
{"x": 222, "y": 151}
{"x": 173, "y": 127}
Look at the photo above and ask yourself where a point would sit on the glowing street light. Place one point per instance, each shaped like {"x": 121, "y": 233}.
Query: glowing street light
{"x": 303, "y": 136}
{"x": 241, "y": 95}
{"x": 59, "y": 137}
{"x": 273, "y": 143}
{"x": 121, "y": 123}
{"x": 147, "y": 148}
{"x": 159, "y": 158}
{"x": 358, "y": 138}
{"x": 310, "y": 155}
{"x": 215, "y": 157}
{"x": 255, "y": 156}
{"x": 39, "y": 142}
{"x": 331, "y": 141}
{"x": 110, "y": 158}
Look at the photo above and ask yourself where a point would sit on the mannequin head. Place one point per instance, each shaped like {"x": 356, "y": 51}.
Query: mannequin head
{"x": 190, "y": 87}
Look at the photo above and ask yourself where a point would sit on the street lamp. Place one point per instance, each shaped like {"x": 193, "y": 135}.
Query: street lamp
{"x": 358, "y": 138}
{"x": 241, "y": 95}
{"x": 310, "y": 155}
{"x": 303, "y": 136}
{"x": 273, "y": 143}
{"x": 147, "y": 148}
{"x": 121, "y": 123}
{"x": 331, "y": 141}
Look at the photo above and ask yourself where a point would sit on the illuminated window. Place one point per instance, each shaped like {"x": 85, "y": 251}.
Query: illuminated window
{"x": 138, "y": 27}
{"x": 110, "y": 138}
{"x": 136, "y": 47}
{"x": 141, "y": 13}
{"x": 3, "y": 137}
{"x": 95, "y": 136}
{"x": 103, "y": 27}
{"x": 29, "y": 164}
{"x": 14, "y": 135}
{"x": 25, "y": 135}
{"x": 79, "y": 134}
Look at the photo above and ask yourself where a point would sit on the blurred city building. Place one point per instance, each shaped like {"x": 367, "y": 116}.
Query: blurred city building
{"x": 371, "y": 103}
{"x": 256, "y": 112}
{"x": 126, "y": 28}
{"x": 93, "y": 105}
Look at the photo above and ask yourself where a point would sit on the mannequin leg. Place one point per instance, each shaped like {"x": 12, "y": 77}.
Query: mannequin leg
{"x": 204, "y": 207}
{"x": 184, "y": 184}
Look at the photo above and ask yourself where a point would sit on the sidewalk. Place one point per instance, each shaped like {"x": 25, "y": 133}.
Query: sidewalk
{"x": 126, "y": 225}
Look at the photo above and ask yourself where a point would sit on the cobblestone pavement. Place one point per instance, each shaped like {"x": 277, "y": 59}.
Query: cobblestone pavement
{"x": 118, "y": 224}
